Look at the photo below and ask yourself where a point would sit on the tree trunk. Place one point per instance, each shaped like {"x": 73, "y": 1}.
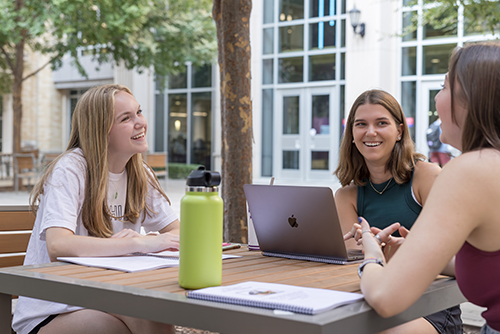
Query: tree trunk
{"x": 17, "y": 91}
{"x": 17, "y": 86}
{"x": 232, "y": 18}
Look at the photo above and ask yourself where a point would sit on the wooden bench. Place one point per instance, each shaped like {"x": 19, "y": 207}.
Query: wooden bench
{"x": 158, "y": 161}
{"x": 16, "y": 224}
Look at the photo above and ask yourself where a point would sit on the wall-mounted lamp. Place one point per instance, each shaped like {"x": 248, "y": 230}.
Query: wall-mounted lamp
{"x": 354, "y": 15}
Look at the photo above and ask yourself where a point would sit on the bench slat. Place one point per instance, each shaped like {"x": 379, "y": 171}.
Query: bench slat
{"x": 14, "y": 243}
{"x": 16, "y": 221}
{"x": 11, "y": 261}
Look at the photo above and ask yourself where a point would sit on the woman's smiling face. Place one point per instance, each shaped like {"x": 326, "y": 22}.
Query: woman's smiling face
{"x": 375, "y": 133}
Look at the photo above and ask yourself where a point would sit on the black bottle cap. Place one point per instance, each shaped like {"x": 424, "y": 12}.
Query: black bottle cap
{"x": 203, "y": 178}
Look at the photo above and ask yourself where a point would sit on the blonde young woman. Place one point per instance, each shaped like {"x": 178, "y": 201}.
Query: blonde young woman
{"x": 462, "y": 215}
{"x": 384, "y": 180}
{"x": 92, "y": 201}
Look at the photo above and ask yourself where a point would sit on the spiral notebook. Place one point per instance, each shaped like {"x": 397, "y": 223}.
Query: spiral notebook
{"x": 277, "y": 297}
{"x": 298, "y": 222}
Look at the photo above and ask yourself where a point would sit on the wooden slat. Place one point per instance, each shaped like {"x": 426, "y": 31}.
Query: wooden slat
{"x": 14, "y": 243}
{"x": 156, "y": 160}
{"x": 11, "y": 261}
{"x": 16, "y": 221}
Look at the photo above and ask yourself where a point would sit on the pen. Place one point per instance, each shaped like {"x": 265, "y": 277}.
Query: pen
{"x": 228, "y": 245}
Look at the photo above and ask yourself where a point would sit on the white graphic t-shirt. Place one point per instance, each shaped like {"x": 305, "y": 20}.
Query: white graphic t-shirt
{"x": 60, "y": 206}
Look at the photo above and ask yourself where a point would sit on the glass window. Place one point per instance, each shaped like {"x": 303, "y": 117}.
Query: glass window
{"x": 290, "y": 159}
{"x": 409, "y": 61}
{"x": 473, "y": 26}
{"x": 267, "y": 132}
{"x": 321, "y": 114}
{"x": 409, "y": 2}
{"x": 177, "y": 128}
{"x": 436, "y": 58}
{"x": 342, "y": 111}
{"x": 159, "y": 123}
{"x": 322, "y": 35}
{"x": 408, "y": 103}
{"x": 291, "y": 38}
{"x": 342, "y": 66}
{"x": 291, "y": 115}
{"x": 291, "y": 10}
{"x": 320, "y": 8}
{"x": 201, "y": 129}
{"x": 322, "y": 67}
{"x": 342, "y": 34}
{"x": 267, "y": 71}
{"x": 409, "y": 18}
{"x": 268, "y": 11}
{"x": 176, "y": 81}
{"x": 291, "y": 69}
{"x": 202, "y": 76}
{"x": 446, "y": 25}
{"x": 320, "y": 160}
{"x": 268, "y": 47}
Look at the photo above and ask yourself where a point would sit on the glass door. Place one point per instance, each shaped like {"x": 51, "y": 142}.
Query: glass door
{"x": 428, "y": 114}
{"x": 306, "y": 132}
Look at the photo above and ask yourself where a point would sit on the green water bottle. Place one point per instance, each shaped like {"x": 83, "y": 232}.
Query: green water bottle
{"x": 200, "y": 262}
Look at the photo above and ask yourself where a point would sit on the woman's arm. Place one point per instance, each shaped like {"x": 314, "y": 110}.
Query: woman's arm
{"x": 345, "y": 200}
{"x": 63, "y": 242}
{"x": 456, "y": 205}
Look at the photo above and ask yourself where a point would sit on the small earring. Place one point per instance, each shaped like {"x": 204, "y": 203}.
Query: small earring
{"x": 399, "y": 138}
{"x": 353, "y": 141}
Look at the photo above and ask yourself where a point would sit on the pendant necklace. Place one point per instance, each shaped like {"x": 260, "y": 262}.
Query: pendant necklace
{"x": 114, "y": 189}
{"x": 385, "y": 188}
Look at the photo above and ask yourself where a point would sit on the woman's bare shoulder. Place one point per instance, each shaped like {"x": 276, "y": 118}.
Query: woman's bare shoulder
{"x": 346, "y": 193}
{"x": 427, "y": 169}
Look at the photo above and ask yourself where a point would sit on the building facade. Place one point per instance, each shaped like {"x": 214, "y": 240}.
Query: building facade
{"x": 308, "y": 66}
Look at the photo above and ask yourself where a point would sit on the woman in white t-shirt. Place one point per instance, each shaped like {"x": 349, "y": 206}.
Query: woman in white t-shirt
{"x": 92, "y": 201}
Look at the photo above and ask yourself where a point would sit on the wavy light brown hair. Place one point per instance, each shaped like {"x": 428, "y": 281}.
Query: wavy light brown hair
{"x": 90, "y": 126}
{"x": 474, "y": 79}
{"x": 352, "y": 166}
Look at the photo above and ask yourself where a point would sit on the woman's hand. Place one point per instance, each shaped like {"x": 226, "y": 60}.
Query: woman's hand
{"x": 352, "y": 233}
{"x": 126, "y": 233}
{"x": 390, "y": 243}
{"x": 160, "y": 242}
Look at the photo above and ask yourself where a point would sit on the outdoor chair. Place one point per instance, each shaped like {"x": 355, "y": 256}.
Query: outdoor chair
{"x": 25, "y": 167}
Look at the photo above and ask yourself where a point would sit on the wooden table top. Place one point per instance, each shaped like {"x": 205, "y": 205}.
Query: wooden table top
{"x": 252, "y": 266}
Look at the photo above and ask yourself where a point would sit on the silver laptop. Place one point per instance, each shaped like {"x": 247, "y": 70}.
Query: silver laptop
{"x": 298, "y": 223}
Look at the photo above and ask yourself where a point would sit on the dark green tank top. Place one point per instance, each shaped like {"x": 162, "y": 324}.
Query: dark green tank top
{"x": 396, "y": 204}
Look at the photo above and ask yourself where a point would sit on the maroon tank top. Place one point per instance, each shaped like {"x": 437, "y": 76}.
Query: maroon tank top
{"x": 478, "y": 276}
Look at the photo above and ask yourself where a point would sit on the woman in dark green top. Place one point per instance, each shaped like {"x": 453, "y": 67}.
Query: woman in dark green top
{"x": 385, "y": 181}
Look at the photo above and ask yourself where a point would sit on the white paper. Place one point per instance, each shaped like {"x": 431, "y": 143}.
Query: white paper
{"x": 123, "y": 263}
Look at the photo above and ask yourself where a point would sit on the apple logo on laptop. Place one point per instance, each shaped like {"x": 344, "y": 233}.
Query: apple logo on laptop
{"x": 293, "y": 221}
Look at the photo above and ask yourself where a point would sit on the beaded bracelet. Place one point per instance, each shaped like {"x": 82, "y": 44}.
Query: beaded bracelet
{"x": 367, "y": 261}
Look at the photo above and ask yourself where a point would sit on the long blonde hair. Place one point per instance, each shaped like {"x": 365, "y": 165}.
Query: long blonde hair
{"x": 352, "y": 166}
{"x": 90, "y": 126}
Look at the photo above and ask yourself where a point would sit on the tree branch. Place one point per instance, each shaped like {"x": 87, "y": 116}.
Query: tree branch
{"x": 7, "y": 58}
{"x": 35, "y": 72}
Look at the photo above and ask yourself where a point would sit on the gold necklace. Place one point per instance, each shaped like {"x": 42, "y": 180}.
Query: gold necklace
{"x": 385, "y": 188}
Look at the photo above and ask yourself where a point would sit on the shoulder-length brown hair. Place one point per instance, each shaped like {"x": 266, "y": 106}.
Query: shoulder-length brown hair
{"x": 90, "y": 126}
{"x": 476, "y": 71}
{"x": 352, "y": 166}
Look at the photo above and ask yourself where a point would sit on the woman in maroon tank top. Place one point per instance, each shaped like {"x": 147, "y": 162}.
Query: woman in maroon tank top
{"x": 462, "y": 213}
